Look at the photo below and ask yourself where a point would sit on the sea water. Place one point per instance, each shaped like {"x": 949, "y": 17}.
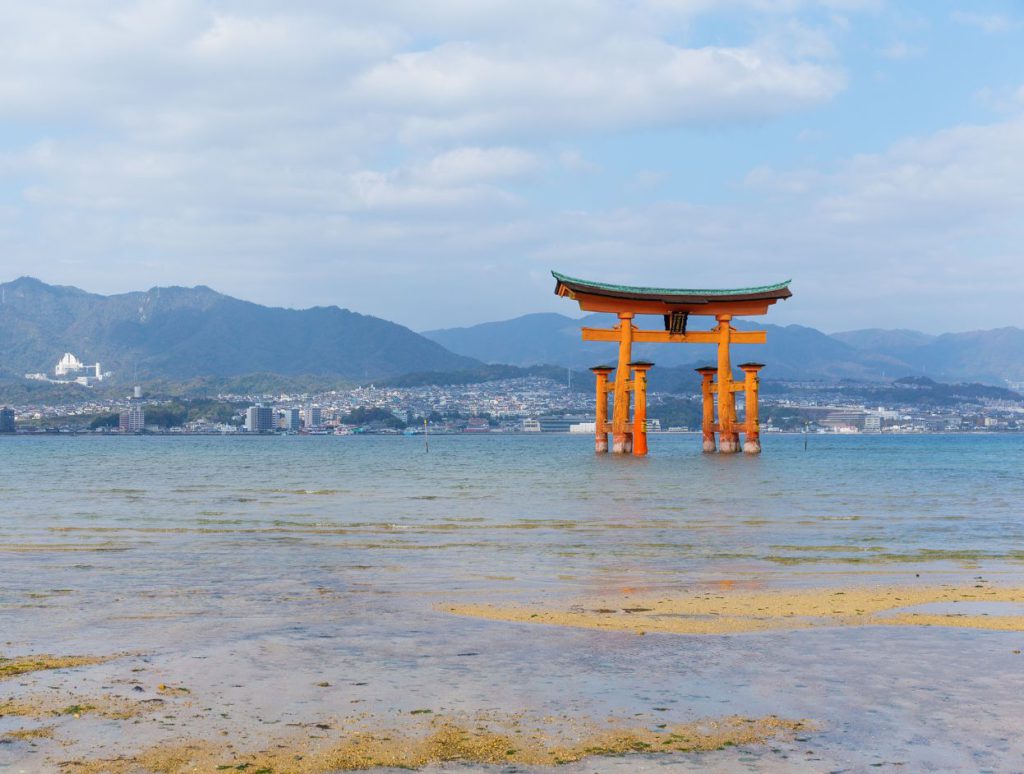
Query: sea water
{"x": 253, "y": 569}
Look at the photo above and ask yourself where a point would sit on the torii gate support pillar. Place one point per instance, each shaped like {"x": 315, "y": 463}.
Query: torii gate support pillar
{"x": 751, "y": 420}
{"x": 707, "y": 391}
{"x": 601, "y": 415}
{"x": 622, "y": 438}
{"x": 640, "y": 369}
{"x": 728, "y": 437}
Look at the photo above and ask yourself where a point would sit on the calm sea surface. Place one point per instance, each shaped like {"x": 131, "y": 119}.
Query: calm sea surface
{"x": 252, "y": 568}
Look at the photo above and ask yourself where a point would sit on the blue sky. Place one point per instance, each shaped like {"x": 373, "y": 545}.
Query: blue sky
{"x": 430, "y": 162}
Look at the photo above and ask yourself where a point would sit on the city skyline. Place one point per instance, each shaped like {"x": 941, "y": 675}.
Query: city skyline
{"x": 429, "y": 163}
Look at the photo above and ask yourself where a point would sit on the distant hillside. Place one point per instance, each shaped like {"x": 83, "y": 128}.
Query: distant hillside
{"x": 792, "y": 352}
{"x": 995, "y": 356}
{"x": 182, "y": 333}
{"x": 581, "y": 381}
{"x": 534, "y": 339}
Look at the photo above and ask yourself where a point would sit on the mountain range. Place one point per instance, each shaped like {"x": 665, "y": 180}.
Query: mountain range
{"x": 182, "y": 334}
{"x": 792, "y": 352}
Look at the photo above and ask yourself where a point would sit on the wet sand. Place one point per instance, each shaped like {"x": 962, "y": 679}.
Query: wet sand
{"x": 719, "y": 611}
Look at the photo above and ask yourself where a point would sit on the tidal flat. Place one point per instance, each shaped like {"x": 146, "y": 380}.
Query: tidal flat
{"x": 510, "y": 603}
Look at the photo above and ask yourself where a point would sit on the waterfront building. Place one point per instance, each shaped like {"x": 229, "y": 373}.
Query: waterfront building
{"x": 292, "y": 420}
{"x": 560, "y": 424}
{"x": 845, "y": 419}
{"x": 259, "y": 419}
{"x": 133, "y": 418}
{"x": 313, "y": 417}
{"x": 7, "y": 424}
{"x": 531, "y": 426}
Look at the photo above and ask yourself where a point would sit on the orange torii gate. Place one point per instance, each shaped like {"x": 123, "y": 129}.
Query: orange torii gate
{"x": 675, "y": 305}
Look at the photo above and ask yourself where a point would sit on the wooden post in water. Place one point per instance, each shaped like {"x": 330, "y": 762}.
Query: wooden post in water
{"x": 728, "y": 439}
{"x": 601, "y": 414}
{"x": 640, "y": 369}
{"x": 622, "y": 440}
{"x": 751, "y": 422}
{"x": 707, "y": 391}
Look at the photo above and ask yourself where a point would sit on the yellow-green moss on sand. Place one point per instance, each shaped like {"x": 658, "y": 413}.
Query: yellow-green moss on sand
{"x": 19, "y": 665}
{"x": 445, "y": 740}
{"x": 724, "y": 610}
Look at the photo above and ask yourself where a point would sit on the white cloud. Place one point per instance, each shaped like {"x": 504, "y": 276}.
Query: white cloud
{"x": 378, "y": 191}
{"x": 472, "y": 164}
{"x": 574, "y": 161}
{"x": 972, "y": 175}
{"x": 990, "y": 24}
{"x": 647, "y": 179}
{"x": 159, "y": 108}
{"x": 902, "y": 50}
{"x": 460, "y": 90}
{"x": 1003, "y": 99}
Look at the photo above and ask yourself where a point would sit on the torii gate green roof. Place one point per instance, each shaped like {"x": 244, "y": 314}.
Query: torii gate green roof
{"x": 776, "y": 291}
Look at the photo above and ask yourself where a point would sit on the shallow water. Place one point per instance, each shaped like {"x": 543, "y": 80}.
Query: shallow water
{"x": 252, "y": 569}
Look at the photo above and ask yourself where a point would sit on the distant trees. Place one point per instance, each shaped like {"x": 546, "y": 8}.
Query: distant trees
{"x": 175, "y": 414}
{"x": 167, "y": 416}
{"x": 105, "y": 421}
{"x": 372, "y": 415}
{"x": 677, "y": 412}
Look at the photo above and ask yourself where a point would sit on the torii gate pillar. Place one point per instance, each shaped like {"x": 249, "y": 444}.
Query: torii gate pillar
{"x": 601, "y": 414}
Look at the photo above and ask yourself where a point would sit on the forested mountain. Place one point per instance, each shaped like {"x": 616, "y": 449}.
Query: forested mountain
{"x": 182, "y": 333}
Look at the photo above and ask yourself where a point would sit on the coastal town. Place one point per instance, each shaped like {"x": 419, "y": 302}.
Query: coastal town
{"x": 520, "y": 405}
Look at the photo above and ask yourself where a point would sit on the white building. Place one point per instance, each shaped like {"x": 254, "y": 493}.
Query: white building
{"x": 313, "y": 417}
{"x": 70, "y": 368}
{"x": 133, "y": 418}
{"x": 583, "y": 427}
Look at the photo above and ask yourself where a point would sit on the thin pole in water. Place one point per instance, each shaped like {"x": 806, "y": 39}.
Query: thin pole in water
{"x": 805, "y": 436}
{"x": 426, "y": 443}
